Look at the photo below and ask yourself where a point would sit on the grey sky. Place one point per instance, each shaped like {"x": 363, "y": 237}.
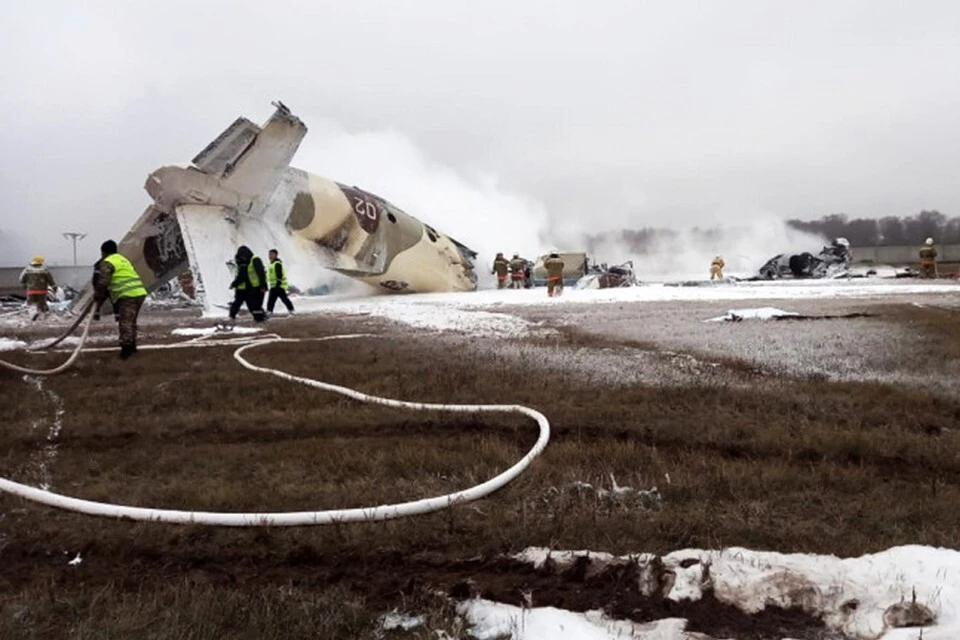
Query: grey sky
{"x": 606, "y": 113}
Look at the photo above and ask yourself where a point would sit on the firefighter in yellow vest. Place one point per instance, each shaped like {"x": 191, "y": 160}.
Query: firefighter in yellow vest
{"x": 928, "y": 260}
{"x": 502, "y": 268}
{"x": 38, "y": 282}
{"x": 716, "y": 268}
{"x": 117, "y": 279}
{"x": 277, "y": 279}
{"x": 250, "y": 284}
{"x": 554, "y": 266}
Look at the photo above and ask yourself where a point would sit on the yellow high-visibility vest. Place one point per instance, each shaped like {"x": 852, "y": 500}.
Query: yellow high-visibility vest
{"x": 125, "y": 282}
{"x": 272, "y": 275}
{"x": 251, "y": 275}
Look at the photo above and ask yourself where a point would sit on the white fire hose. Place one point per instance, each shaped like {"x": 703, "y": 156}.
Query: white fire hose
{"x": 73, "y": 356}
{"x": 301, "y": 518}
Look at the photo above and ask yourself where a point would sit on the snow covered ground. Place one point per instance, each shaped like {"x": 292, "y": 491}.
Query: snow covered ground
{"x": 868, "y": 598}
{"x": 492, "y": 311}
{"x": 495, "y": 621}
{"x": 11, "y": 344}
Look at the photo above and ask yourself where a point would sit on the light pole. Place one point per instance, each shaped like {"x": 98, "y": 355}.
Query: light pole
{"x": 74, "y": 235}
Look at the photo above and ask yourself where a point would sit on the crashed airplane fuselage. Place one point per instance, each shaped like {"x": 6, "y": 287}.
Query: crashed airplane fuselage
{"x": 240, "y": 190}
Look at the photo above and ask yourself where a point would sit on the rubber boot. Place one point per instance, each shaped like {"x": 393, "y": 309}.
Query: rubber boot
{"x": 126, "y": 351}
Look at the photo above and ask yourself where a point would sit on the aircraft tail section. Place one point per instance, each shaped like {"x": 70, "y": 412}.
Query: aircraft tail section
{"x": 260, "y": 166}
{"x": 219, "y": 157}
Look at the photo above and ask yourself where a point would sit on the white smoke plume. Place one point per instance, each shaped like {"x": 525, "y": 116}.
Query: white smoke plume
{"x": 686, "y": 254}
{"x": 474, "y": 210}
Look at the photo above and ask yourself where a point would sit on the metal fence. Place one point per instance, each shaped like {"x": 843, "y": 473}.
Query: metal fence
{"x": 76, "y": 277}
{"x": 903, "y": 254}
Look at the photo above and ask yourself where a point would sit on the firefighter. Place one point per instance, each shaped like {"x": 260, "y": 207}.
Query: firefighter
{"x": 716, "y": 268}
{"x": 38, "y": 281}
{"x": 250, "y": 284}
{"x": 502, "y": 268}
{"x": 277, "y": 279}
{"x": 554, "y": 267}
{"x": 928, "y": 260}
{"x": 117, "y": 279}
{"x": 518, "y": 272}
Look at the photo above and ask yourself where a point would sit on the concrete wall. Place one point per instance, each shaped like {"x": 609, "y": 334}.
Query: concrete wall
{"x": 76, "y": 277}
{"x": 903, "y": 254}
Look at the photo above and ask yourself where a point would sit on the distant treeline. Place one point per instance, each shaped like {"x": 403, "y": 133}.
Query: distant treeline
{"x": 861, "y": 232}
{"x": 885, "y": 232}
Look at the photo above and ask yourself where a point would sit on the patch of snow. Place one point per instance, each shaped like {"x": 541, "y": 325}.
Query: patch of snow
{"x": 647, "y": 499}
{"x": 209, "y": 331}
{"x": 493, "y": 620}
{"x": 11, "y": 344}
{"x": 762, "y": 313}
{"x": 861, "y": 597}
{"x": 42, "y": 460}
{"x": 422, "y": 312}
{"x": 76, "y": 561}
{"x": 538, "y": 556}
{"x": 402, "y": 621}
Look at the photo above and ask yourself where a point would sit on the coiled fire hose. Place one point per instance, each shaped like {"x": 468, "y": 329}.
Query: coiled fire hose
{"x": 305, "y": 518}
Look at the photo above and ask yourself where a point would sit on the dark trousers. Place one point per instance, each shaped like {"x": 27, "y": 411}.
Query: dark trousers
{"x": 275, "y": 293}
{"x": 254, "y": 299}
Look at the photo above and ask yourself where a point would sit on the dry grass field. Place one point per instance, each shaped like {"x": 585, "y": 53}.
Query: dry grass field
{"x": 763, "y": 460}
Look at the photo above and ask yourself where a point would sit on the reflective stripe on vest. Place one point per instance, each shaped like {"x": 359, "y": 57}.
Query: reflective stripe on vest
{"x": 272, "y": 275}
{"x": 125, "y": 282}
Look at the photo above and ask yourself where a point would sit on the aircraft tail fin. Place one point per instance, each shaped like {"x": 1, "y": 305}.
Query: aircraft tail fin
{"x": 251, "y": 160}
{"x": 220, "y": 155}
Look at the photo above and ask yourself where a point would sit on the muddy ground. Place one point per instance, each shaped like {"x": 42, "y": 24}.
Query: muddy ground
{"x": 828, "y": 436}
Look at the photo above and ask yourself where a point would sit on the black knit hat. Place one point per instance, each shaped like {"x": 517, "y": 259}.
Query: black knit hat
{"x": 108, "y": 248}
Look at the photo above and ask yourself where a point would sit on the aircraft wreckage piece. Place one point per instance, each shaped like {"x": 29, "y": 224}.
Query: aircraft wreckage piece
{"x": 833, "y": 261}
{"x": 241, "y": 190}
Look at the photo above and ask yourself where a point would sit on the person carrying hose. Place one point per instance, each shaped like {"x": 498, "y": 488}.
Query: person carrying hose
{"x": 38, "y": 281}
{"x": 117, "y": 279}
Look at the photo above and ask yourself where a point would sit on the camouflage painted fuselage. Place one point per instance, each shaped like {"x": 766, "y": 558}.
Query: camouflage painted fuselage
{"x": 241, "y": 190}
{"x": 370, "y": 239}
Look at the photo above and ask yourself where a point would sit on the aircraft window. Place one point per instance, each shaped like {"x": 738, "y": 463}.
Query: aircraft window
{"x": 392, "y": 218}
{"x": 431, "y": 234}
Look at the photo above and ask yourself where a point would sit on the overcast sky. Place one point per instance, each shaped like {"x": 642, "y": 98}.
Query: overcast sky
{"x": 596, "y": 114}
